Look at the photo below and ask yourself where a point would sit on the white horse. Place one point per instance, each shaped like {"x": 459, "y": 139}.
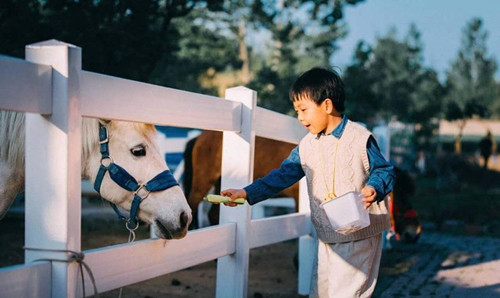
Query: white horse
{"x": 131, "y": 145}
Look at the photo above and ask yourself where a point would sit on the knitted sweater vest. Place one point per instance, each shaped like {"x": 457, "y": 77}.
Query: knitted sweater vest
{"x": 321, "y": 157}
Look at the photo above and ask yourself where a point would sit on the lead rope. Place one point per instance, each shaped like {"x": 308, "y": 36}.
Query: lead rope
{"x": 330, "y": 194}
{"x": 131, "y": 238}
{"x": 73, "y": 257}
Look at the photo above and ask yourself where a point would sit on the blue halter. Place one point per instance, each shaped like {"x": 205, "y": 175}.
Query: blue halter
{"x": 162, "y": 181}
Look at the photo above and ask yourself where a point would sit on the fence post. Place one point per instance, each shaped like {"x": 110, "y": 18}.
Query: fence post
{"x": 53, "y": 167}
{"x": 237, "y": 172}
{"x": 307, "y": 247}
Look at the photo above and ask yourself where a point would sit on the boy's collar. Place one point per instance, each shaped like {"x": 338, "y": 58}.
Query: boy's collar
{"x": 339, "y": 130}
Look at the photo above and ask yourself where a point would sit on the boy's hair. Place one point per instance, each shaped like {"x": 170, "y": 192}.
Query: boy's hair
{"x": 319, "y": 84}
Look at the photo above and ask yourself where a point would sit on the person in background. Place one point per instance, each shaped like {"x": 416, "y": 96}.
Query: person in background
{"x": 486, "y": 148}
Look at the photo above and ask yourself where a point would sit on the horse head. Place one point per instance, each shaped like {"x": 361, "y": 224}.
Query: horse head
{"x": 132, "y": 146}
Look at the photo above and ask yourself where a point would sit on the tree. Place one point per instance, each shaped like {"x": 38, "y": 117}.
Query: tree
{"x": 203, "y": 51}
{"x": 395, "y": 67}
{"x": 389, "y": 80}
{"x": 122, "y": 38}
{"x": 304, "y": 34}
{"x": 296, "y": 30}
{"x": 19, "y": 25}
{"x": 362, "y": 104}
{"x": 470, "y": 82}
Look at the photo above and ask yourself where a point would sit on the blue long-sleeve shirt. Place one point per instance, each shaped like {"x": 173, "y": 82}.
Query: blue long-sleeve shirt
{"x": 381, "y": 176}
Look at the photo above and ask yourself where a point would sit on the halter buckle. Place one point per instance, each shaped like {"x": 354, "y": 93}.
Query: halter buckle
{"x": 106, "y": 140}
{"x": 142, "y": 192}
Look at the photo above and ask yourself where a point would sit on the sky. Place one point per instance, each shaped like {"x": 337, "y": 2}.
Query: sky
{"x": 440, "y": 23}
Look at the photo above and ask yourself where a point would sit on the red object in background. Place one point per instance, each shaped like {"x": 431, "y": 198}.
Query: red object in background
{"x": 404, "y": 218}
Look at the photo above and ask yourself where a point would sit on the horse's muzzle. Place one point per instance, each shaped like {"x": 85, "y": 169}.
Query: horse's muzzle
{"x": 168, "y": 230}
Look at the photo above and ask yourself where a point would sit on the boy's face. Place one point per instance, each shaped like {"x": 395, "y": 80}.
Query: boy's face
{"x": 314, "y": 117}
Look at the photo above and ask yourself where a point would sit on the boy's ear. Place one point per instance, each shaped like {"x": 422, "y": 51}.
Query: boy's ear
{"x": 329, "y": 108}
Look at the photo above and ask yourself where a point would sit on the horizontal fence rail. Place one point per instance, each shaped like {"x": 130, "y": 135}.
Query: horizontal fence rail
{"x": 26, "y": 86}
{"x": 276, "y": 126}
{"x": 115, "y": 98}
{"x": 277, "y": 229}
{"x": 31, "y": 280}
{"x": 121, "y": 265}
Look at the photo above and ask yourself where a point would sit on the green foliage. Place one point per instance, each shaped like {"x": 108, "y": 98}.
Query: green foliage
{"x": 396, "y": 68}
{"x": 361, "y": 102}
{"x": 199, "y": 49}
{"x": 111, "y": 33}
{"x": 19, "y": 25}
{"x": 390, "y": 81}
{"x": 470, "y": 82}
{"x": 303, "y": 35}
{"x": 273, "y": 90}
{"x": 122, "y": 38}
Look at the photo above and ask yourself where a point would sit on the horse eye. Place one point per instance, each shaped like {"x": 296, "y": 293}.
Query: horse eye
{"x": 139, "y": 150}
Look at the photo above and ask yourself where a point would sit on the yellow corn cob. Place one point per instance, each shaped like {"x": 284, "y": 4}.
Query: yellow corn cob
{"x": 216, "y": 199}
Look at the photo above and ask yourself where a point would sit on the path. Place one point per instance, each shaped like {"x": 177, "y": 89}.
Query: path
{"x": 446, "y": 266}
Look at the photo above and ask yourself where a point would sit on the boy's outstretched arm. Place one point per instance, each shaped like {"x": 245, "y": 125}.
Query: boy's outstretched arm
{"x": 277, "y": 180}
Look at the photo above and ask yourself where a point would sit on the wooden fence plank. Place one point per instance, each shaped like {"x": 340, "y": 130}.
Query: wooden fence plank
{"x": 26, "y": 86}
{"x": 120, "y": 99}
{"x": 276, "y": 229}
{"x": 121, "y": 265}
{"x": 26, "y": 281}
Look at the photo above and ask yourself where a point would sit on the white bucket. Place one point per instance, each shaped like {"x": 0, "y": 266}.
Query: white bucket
{"x": 347, "y": 213}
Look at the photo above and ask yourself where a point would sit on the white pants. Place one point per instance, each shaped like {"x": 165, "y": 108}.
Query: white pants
{"x": 346, "y": 269}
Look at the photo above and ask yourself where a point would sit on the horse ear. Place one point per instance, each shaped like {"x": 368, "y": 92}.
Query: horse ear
{"x": 104, "y": 121}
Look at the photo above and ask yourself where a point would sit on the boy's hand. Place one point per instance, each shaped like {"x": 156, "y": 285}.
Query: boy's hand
{"x": 370, "y": 195}
{"x": 233, "y": 194}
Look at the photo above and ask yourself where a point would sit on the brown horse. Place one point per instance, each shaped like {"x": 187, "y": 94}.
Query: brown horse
{"x": 202, "y": 167}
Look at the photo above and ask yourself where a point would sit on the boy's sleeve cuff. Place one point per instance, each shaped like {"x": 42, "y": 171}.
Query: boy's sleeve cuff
{"x": 250, "y": 196}
{"x": 380, "y": 194}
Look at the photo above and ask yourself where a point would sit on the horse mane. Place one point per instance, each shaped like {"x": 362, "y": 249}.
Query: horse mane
{"x": 12, "y": 136}
{"x": 90, "y": 136}
{"x": 12, "y": 124}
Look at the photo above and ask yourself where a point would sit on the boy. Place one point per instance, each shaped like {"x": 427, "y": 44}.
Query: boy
{"x": 337, "y": 156}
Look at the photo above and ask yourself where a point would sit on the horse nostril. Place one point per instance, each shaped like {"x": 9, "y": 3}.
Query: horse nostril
{"x": 184, "y": 219}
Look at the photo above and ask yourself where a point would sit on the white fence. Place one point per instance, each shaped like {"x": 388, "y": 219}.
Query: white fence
{"x": 51, "y": 82}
